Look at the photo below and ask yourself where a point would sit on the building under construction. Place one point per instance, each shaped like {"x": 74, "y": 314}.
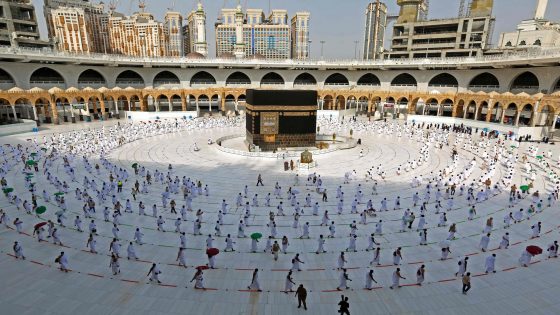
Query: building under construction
{"x": 415, "y": 36}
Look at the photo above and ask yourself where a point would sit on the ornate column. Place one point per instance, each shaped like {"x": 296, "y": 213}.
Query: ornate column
{"x": 102, "y": 105}
{"x": 54, "y": 113}
{"x": 14, "y": 112}
{"x": 143, "y": 105}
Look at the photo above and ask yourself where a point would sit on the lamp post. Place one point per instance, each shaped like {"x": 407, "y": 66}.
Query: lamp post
{"x": 322, "y": 46}
{"x": 309, "y": 49}
{"x": 356, "y": 49}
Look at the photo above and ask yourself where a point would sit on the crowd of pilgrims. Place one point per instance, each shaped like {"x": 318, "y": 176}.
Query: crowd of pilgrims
{"x": 485, "y": 168}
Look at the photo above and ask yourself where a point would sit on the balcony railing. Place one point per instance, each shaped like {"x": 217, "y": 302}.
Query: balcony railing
{"x": 42, "y": 54}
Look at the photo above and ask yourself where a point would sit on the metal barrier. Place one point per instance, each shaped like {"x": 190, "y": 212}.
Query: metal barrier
{"x": 342, "y": 145}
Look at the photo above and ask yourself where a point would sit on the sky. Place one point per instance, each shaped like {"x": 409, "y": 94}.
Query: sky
{"x": 337, "y": 22}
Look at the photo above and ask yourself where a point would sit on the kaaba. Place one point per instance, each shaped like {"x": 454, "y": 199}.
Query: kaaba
{"x": 281, "y": 118}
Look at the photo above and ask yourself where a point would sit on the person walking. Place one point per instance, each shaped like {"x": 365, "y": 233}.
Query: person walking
{"x": 301, "y": 294}
{"x": 344, "y": 306}
{"x": 259, "y": 180}
{"x": 466, "y": 282}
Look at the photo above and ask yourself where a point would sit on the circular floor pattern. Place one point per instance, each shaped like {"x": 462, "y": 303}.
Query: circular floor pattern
{"x": 36, "y": 286}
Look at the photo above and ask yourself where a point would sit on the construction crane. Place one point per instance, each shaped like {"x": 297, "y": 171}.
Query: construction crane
{"x": 113, "y": 6}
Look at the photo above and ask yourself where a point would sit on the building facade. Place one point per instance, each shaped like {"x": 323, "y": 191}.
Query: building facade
{"x": 18, "y": 24}
{"x": 301, "y": 44}
{"x": 138, "y": 35}
{"x": 252, "y": 34}
{"x": 536, "y": 32}
{"x": 414, "y": 37}
{"x": 194, "y": 32}
{"x": 174, "y": 28}
{"x": 376, "y": 24}
{"x": 78, "y": 26}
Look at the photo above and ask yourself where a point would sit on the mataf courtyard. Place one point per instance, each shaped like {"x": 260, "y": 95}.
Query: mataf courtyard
{"x": 93, "y": 206}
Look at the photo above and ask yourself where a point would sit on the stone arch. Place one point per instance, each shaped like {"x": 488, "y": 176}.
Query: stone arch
{"x": 6, "y": 111}
{"x": 363, "y": 102}
{"x": 369, "y": 79}
{"x": 432, "y": 107}
{"x": 238, "y": 78}
{"x": 496, "y": 113}
{"x": 337, "y": 79}
{"x": 510, "y": 114}
{"x": 202, "y": 78}
{"x": 46, "y": 77}
{"x": 525, "y": 82}
{"x": 6, "y": 80}
{"x": 129, "y": 78}
{"x": 483, "y": 111}
{"x": 460, "y": 109}
{"x": 91, "y": 78}
{"x": 304, "y": 79}
{"x": 555, "y": 86}
{"x": 526, "y": 115}
{"x": 446, "y": 107}
{"x": 404, "y": 79}
{"x": 443, "y": 80}
{"x": 272, "y": 78}
{"x": 470, "y": 112}
{"x": 166, "y": 78}
{"x": 484, "y": 82}
{"x": 163, "y": 103}
{"x": 340, "y": 103}
{"x": 546, "y": 116}
{"x": 351, "y": 102}
{"x": 135, "y": 104}
{"x": 44, "y": 109}
{"x": 328, "y": 102}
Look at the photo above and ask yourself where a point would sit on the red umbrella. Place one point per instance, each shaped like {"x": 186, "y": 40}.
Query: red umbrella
{"x": 38, "y": 225}
{"x": 212, "y": 251}
{"x": 204, "y": 267}
{"x": 534, "y": 250}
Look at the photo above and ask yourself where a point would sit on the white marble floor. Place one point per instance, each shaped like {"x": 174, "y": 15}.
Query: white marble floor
{"x": 36, "y": 286}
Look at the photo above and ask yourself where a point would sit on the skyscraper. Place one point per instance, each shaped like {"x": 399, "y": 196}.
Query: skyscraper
{"x": 300, "y": 35}
{"x": 251, "y": 34}
{"x": 174, "y": 28}
{"x": 138, "y": 35}
{"x": 194, "y": 32}
{"x": 376, "y": 24}
{"x": 78, "y": 25}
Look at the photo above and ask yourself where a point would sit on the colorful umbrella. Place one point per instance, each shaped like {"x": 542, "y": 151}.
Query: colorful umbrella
{"x": 38, "y": 225}
{"x": 534, "y": 250}
{"x": 524, "y": 188}
{"x": 8, "y": 190}
{"x": 212, "y": 251}
{"x": 540, "y": 157}
{"x": 204, "y": 267}
{"x": 256, "y": 236}
{"x": 31, "y": 162}
{"x": 41, "y": 210}
{"x": 60, "y": 193}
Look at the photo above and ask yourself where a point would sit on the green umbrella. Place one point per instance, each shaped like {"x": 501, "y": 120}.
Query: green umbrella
{"x": 41, "y": 210}
{"x": 31, "y": 162}
{"x": 524, "y": 188}
{"x": 59, "y": 193}
{"x": 539, "y": 157}
{"x": 28, "y": 173}
{"x": 135, "y": 165}
{"x": 256, "y": 236}
{"x": 34, "y": 154}
{"x": 513, "y": 147}
{"x": 8, "y": 190}
{"x": 29, "y": 177}
{"x": 44, "y": 149}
